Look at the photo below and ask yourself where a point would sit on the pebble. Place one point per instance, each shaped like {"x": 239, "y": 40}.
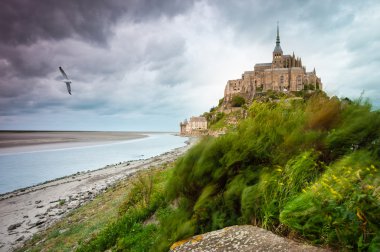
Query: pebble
{"x": 20, "y": 238}
{"x": 14, "y": 226}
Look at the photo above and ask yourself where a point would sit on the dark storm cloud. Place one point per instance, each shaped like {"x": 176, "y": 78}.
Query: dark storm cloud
{"x": 24, "y": 21}
{"x": 38, "y": 36}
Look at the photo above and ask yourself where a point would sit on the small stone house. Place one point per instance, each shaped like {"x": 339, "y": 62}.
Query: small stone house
{"x": 195, "y": 126}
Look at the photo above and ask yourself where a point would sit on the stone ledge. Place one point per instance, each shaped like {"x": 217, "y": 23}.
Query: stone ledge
{"x": 241, "y": 238}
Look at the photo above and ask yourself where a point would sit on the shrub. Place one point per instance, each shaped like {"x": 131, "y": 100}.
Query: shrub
{"x": 237, "y": 101}
{"x": 342, "y": 208}
{"x": 220, "y": 102}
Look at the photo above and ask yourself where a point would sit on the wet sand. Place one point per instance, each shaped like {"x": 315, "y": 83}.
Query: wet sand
{"x": 28, "y": 211}
{"x": 24, "y": 141}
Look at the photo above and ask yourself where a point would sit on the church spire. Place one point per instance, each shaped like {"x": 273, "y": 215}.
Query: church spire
{"x": 277, "y": 49}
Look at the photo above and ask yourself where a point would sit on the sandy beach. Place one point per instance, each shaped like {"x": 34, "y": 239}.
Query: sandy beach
{"x": 27, "y": 211}
{"x": 23, "y": 141}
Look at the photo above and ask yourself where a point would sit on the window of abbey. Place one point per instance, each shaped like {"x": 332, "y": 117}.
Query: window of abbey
{"x": 299, "y": 83}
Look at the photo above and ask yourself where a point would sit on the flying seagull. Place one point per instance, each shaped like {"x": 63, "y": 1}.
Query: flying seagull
{"x": 66, "y": 80}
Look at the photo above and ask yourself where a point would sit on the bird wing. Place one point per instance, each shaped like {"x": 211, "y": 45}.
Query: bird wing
{"x": 68, "y": 87}
{"x": 63, "y": 73}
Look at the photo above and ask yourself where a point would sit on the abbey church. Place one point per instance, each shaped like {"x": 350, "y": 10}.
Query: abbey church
{"x": 284, "y": 73}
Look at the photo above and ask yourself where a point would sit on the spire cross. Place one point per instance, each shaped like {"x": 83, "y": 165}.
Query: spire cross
{"x": 278, "y": 34}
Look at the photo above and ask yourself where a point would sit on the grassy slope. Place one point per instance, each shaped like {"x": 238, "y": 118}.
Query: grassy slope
{"x": 297, "y": 168}
{"x": 305, "y": 169}
{"x": 86, "y": 222}
{"x": 81, "y": 223}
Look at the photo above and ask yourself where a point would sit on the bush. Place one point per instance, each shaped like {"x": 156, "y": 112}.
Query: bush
{"x": 237, "y": 101}
{"x": 342, "y": 208}
{"x": 220, "y": 102}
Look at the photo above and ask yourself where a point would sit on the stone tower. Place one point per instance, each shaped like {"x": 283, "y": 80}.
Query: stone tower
{"x": 277, "y": 52}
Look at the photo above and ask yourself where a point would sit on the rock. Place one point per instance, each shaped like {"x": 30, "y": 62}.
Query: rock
{"x": 20, "y": 238}
{"x": 40, "y": 206}
{"x": 61, "y": 212}
{"x": 241, "y": 238}
{"x": 37, "y": 201}
{"x": 36, "y": 224}
{"x": 40, "y": 222}
{"x": 54, "y": 212}
{"x": 14, "y": 226}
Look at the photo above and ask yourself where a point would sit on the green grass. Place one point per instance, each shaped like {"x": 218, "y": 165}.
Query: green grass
{"x": 262, "y": 171}
{"x": 305, "y": 168}
{"x": 129, "y": 232}
{"x": 84, "y": 223}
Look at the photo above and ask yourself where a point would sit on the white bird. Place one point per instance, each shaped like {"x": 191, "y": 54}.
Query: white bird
{"x": 66, "y": 80}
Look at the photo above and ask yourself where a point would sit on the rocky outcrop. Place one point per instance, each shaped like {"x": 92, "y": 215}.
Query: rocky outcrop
{"x": 241, "y": 238}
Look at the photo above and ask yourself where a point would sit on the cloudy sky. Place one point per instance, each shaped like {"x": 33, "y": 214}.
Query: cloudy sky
{"x": 146, "y": 65}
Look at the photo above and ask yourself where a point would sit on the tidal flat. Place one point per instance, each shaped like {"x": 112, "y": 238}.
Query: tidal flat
{"x": 21, "y": 141}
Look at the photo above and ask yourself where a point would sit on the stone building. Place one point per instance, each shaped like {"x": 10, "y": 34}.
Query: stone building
{"x": 195, "y": 126}
{"x": 284, "y": 73}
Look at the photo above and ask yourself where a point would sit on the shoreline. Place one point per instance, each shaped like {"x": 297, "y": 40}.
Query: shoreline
{"x": 27, "y": 211}
{"x": 20, "y": 142}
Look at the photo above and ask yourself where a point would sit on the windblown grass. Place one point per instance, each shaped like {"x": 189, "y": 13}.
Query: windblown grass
{"x": 301, "y": 168}
{"x": 285, "y": 168}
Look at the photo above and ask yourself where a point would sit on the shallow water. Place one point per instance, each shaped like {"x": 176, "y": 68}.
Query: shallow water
{"x": 23, "y": 169}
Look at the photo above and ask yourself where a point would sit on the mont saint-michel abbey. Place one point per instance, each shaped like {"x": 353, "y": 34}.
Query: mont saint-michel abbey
{"x": 284, "y": 73}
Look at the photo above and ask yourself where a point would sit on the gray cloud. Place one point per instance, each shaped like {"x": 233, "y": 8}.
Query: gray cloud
{"x": 24, "y": 22}
{"x": 153, "y": 63}
{"x": 37, "y": 37}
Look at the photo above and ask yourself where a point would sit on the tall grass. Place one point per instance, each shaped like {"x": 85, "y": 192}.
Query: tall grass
{"x": 129, "y": 232}
{"x": 309, "y": 168}
{"x": 259, "y": 172}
